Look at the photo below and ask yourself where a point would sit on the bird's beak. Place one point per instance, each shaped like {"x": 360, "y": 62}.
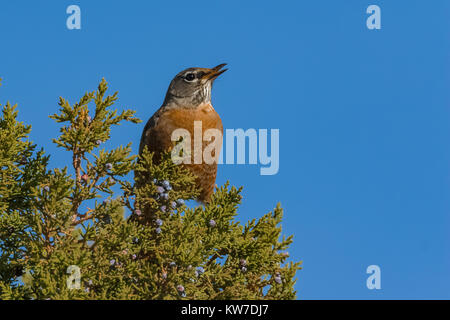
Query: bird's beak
{"x": 215, "y": 72}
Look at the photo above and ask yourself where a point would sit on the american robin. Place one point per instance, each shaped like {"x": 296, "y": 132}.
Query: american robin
{"x": 187, "y": 101}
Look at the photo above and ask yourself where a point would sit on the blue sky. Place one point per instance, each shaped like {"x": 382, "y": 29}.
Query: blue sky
{"x": 363, "y": 115}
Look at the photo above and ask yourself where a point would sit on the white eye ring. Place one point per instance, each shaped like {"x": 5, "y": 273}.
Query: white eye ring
{"x": 190, "y": 77}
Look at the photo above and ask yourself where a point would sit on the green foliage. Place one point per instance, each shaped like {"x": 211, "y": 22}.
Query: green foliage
{"x": 127, "y": 241}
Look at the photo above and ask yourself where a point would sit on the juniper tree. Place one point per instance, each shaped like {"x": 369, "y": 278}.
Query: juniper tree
{"x": 78, "y": 232}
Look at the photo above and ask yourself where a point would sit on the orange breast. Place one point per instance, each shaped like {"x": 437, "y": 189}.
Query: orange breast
{"x": 184, "y": 118}
{"x": 158, "y": 139}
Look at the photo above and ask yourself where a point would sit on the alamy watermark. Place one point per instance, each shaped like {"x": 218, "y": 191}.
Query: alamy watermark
{"x": 73, "y": 281}
{"x": 74, "y": 20}
{"x": 205, "y": 147}
{"x": 374, "y": 280}
{"x": 374, "y": 20}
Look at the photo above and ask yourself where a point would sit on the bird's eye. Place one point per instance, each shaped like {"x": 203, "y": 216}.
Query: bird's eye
{"x": 190, "y": 77}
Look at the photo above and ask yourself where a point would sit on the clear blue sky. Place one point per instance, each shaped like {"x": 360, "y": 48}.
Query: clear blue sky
{"x": 363, "y": 115}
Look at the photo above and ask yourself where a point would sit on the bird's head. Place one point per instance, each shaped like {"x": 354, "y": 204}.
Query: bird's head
{"x": 192, "y": 87}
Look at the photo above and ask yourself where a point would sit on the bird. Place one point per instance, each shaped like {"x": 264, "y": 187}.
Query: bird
{"x": 188, "y": 99}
